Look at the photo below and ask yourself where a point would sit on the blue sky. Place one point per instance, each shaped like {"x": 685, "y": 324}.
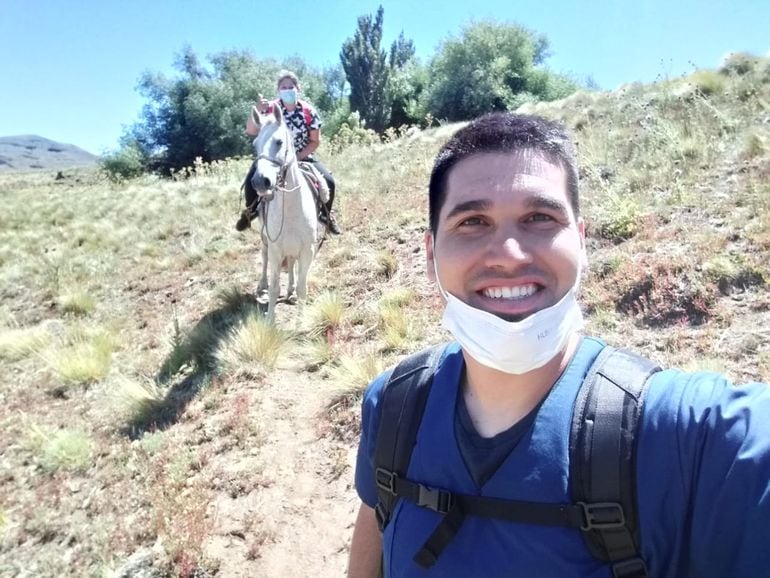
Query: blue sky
{"x": 70, "y": 68}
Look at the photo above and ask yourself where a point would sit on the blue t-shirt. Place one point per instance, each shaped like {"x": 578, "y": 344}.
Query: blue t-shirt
{"x": 481, "y": 455}
{"x": 703, "y": 481}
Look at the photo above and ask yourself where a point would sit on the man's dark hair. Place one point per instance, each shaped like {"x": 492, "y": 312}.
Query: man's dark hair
{"x": 504, "y": 132}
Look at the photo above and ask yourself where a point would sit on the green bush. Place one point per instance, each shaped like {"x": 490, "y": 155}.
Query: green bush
{"x": 353, "y": 132}
{"x": 125, "y": 163}
{"x": 708, "y": 82}
{"x": 739, "y": 63}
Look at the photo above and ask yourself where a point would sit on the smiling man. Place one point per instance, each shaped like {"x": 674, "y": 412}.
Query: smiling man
{"x": 525, "y": 448}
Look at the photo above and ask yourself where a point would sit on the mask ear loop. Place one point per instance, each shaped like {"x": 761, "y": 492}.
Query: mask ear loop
{"x": 444, "y": 294}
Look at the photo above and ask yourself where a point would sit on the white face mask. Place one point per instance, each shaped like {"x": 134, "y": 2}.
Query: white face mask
{"x": 288, "y": 95}
{"x": 514, "y": 347}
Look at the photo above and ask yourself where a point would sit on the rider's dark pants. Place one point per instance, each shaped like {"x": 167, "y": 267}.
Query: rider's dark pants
{"x": 251, "y": 195}
{"x": 327, "y": 177}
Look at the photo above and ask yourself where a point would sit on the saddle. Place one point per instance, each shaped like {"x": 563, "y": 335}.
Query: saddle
{"x": 317, "y": 184}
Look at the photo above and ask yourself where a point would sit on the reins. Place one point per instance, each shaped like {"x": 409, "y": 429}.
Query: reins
{"x": 268, "y": 196}
{"x": 283, "y": 170}
{"x": 265, "y": 205}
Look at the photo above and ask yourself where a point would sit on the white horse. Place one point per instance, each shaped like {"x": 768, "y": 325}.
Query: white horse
{"x": 290, "y": 227}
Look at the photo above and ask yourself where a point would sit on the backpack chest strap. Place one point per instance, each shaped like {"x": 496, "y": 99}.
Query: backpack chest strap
{"x": 602, "y": 516}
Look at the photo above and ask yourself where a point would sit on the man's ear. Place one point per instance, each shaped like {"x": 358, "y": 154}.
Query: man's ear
{"x": 430, "y": 266}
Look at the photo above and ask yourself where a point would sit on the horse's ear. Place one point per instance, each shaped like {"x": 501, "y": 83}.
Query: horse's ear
{"x": 277, "y": 113}
{"x": 255, "y": 116}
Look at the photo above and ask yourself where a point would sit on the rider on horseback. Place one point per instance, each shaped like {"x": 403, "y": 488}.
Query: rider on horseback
{"x": 305, "y": 125}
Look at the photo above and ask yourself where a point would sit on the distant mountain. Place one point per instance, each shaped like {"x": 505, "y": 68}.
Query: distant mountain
{"x": 29, "y": 152}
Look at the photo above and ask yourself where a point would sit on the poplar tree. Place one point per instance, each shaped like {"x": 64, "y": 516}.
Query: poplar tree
{"x": 366, "y": 68}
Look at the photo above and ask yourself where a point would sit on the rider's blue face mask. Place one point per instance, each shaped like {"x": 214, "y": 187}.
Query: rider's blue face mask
{"x": 288, "y": 95}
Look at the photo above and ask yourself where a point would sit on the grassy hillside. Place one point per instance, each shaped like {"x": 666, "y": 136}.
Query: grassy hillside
{"x": 150, "y": 421}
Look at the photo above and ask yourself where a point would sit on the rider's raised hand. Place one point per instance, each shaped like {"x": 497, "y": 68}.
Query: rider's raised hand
{"x": 262, "y": 104}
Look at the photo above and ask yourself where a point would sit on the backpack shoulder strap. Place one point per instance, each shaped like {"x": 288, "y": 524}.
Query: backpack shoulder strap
{"x": 307, "y": 113}
{"x": 603, "y": 443}
{"x": 402, "y": 404}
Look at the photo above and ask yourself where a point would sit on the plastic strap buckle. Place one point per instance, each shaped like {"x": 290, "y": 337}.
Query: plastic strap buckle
{"x": 435, "y": 499}
{"x": 385, "y": 480}
{"x": 602, "y": 516}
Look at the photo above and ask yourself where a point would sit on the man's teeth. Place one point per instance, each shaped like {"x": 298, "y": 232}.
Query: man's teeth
{"x": 517, "y": 292}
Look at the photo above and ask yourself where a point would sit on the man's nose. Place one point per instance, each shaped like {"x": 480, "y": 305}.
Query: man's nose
{"x": 509, "y": 247}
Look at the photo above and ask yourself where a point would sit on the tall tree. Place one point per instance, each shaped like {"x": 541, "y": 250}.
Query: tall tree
{"x": 366, "y": 68}
{"x": 401, "y": 51}
{"x": 492, "y": 66}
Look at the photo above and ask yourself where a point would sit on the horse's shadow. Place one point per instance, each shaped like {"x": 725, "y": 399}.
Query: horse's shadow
{"x": 191, "y": 365}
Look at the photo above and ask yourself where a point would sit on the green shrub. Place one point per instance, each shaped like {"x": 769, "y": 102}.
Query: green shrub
{"x": 738, "y": 63}
{"x": 65, "y": 450}
{"x": 353, "y": 132}
{"x": 708, "y": 82}
{"x": 125, "y": 163}
{"x": 619, "y": 218}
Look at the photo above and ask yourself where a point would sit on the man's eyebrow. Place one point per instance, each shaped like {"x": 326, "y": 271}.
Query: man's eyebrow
{"x": 474, "y": 205}
{"x": 546, "y": 202}
{"x": 534, "y": 202}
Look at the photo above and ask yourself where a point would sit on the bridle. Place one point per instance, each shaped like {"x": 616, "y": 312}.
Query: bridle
{"x": 269, "y": 195}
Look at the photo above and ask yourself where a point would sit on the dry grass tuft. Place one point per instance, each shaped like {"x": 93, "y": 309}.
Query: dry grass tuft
{"x": 140, "y": 399}
{"x": 400, "y": 297}
{"x": 353, "y": 373}
{"x": 76, "y": 303}
{"x": 325, "y": 315}
{"x": 317, "y": 353}
{"x": 397, "y": 328}
{"x": 708, "y": 82}
{"x": 21, "y": 342}
{"x": 253, "y": 347}
{"x": 387, "y": 264}
{"x": 84, "y": 360}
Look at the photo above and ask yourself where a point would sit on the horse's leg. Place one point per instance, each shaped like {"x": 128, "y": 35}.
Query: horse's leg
{"x": 305, "y": 259}
{"x": 291, "y": 296}
{"x": 275, "y": 285}
{"x": 263, "y": 280}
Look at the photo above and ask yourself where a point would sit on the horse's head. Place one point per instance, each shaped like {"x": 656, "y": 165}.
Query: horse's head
{"x": 274, "y": 149}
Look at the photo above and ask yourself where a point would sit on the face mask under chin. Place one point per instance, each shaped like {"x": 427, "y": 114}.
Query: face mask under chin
{"x": 514, "y": 347}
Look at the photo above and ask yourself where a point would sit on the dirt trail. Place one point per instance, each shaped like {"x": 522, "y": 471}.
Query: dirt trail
{"x": 298, "y": 521}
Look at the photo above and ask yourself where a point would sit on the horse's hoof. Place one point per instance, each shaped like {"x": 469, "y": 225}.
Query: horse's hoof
{"x": 292, "y": 299}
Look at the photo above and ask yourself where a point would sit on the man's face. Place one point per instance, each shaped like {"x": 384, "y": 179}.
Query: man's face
{"x": 507, "y": 240}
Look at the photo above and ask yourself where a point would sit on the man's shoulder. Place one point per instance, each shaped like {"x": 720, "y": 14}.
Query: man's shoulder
{"x": 684, "y": 400}
{"x": 448, "y": 352}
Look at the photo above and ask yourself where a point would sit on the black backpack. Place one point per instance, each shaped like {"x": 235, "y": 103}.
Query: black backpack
{"x": 602, "y": 461}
